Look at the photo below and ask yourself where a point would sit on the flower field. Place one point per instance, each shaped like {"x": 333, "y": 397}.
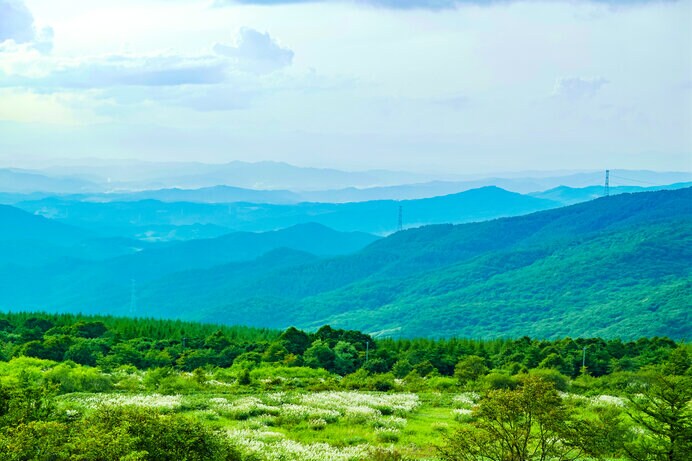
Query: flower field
{"x": 259, "y": 408}
{"x": 318, "y": 426}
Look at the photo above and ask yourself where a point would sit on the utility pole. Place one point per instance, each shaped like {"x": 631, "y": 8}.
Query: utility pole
{"x": 583, "y": 358}
{"x": 367, "y": 350}
{"x": 606, "y": 189}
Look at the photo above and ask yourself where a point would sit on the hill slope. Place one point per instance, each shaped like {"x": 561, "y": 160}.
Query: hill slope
{"x": 104, "y": 285}
{"x": 20, "y": 225}
{"x": 614, "y": 267}
{"x": 571, "y": 195}
{"x": 618, "y": 266}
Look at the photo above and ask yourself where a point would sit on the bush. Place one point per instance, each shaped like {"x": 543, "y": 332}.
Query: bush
{"x": 443, "y": 383}
{"x": 355, "y": 381}
{"x": 499, "y": 381}
{"x": 36, "y": 440}
{"x": 382, "y": 383}
{"x": 70, "y": 377}
{"x": 560, "y": 381}
{"x": 157, "y": 437}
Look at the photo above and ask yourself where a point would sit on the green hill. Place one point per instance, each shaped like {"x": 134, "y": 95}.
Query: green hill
{"x": 618, "y": 266}
{"x": 68, "y": 279}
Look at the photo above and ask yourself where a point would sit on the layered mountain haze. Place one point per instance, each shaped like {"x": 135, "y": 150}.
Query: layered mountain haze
{"x": 616, "y": 266}
{"x": 281, "y": 183}
{"x": 141, "y": 218}
{"x": 137, "y": 175}
{"x": 18, "y": 181}
{"x": 571, "y": 195}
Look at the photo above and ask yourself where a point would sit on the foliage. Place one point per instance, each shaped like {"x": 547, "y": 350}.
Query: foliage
{"x": 661, "y": 406}
{"x": 530, "y": 423}
{"x": 271, "y": 402}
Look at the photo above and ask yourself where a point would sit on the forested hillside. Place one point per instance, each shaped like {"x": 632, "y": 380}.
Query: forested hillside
{"x": 613, "y": 267}
{"x": 617, "y": 266}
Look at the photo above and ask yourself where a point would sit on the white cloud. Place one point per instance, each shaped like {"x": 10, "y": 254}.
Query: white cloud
{"x": 17, "y": 26}
{"x": 256, "y": 52}
{"x": 16, "y": 22}
{"x": 576, "y": 87}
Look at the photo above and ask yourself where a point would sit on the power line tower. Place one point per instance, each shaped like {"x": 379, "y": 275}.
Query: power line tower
{"x": 606, "y": 188}
{"x": 133, "y": 298}
{"x": 400, "y": 224}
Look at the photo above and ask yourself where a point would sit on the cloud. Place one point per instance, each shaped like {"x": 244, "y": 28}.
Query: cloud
{"x": 17, "y": 26}
{"x": 256, "y": 52}
{"x": 116, "y": 70}
{"x": 420, "y": 4}
{"x": 576, "y": 88}
{"x": 16, "y": 22}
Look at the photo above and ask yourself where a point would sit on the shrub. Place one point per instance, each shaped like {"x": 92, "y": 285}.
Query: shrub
{"x": 499, "y": 381}
{"x": 560, "y": 381}
{"x": 161, "y": 437}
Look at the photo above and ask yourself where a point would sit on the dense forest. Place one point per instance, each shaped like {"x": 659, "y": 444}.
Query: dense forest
{"x": 111, "y": 342}
{"x": 169, "y": 390}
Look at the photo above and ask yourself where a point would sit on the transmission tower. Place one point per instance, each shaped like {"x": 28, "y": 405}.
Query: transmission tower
{"x": 400, "y": 225}
{"x": 606, "y": 188}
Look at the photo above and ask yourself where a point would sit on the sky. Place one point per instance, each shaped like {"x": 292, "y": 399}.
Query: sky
{"x": 423, "y": 85}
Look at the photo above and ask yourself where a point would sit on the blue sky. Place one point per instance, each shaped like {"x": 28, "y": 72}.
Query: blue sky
{"x": 436, "y": 86}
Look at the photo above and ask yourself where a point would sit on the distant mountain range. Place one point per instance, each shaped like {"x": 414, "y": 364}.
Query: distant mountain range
{"x": 617, "y": 266}
{"x": 281, "y": 183}
{"x": 16, "y": 181}
{"x": 571, "y": 195}
{"x": 137, "y": 175}
{"x": 154, "y": 220}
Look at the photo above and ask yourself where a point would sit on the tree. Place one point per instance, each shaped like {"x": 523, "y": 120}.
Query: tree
{"x": 556, "y": 362}
{"x": 295, "y": 341}
{"x": 527, "y": 424}
{"x": 345, "y": 356}
{"x": 217, "y": 341}
{"x": 660, "y": 406}
{"x": 89, "y": 330}
{"x": 84, "y": 352}
{"x": 470, "y": 368}
{"x": 276, "y": 352}
{"x": 319, "y": 355}
{"x": 402, "y": 368}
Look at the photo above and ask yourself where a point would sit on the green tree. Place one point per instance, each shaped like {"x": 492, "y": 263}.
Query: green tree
{"x": 470, "y": 368}
{"x": 527, "y": 424}
{"x": 661, "y": 407}
{"x": 319, "y": 355}
{"x": 345, "y": 357}
{"x": 295, "y": 341}
{"x": 276, "y": 352}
